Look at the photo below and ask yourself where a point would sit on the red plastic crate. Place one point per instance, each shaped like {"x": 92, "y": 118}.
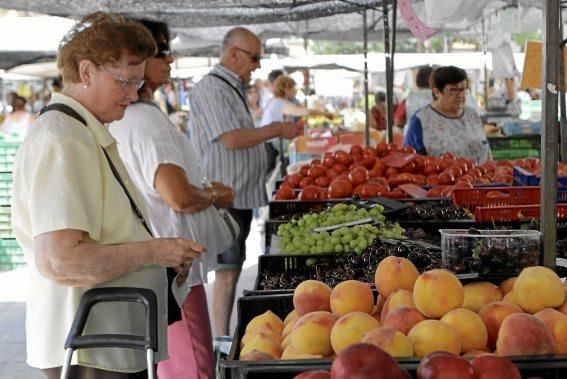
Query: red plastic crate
{"x": 514, "y": 213}
{"x": 476, "y": 197}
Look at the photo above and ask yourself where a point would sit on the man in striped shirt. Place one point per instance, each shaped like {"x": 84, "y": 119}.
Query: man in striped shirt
{"x": 231, "y": 149}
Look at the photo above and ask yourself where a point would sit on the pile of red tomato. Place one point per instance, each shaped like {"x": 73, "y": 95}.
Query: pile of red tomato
{"x": 363, "y": 172}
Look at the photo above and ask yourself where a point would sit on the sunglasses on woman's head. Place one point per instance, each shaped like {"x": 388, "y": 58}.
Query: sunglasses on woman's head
{"x": 163, "y": 50}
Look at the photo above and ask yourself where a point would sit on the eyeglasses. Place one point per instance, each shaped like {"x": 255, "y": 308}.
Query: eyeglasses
{"x": 163, "y": 50}
{"x": 125, "y": 82}
{"x": 454, "y": 90}
{"x": 255, "y": 58}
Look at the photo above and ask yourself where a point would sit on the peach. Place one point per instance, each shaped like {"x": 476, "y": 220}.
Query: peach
{"x": 265, "y": 332}
{"x": 375, "y": 313}
{"x": 563, "y": 308}
{"x": 269, "y": 318}
{"x": 351, "y": 296}
{"x": 393, "y": 273}
{"x": 437, "y": 292}
{"x": 403, "y": 319}
{"x": 286, "y": 341}
{"x": 312, "y": 333}
{"x": 290, "y": 316}
{"x": 556, "y": 322}
{"x": 524, "y": 334}
{"x": 380, "y": 301}
{"x": 490, "y": 366}
{"x": 537, "y": 288}
{"x": 493, "y": 315}
{"x": 256, "y": 355}
{"x": 289, "y": 353}
{"x": 311, "y": 296}
{"x": 393, "y": 342}
{"x": 507, "y": 285}
{"x": 349, "y": 329}
{"x": 477, "y": 295}
{"x": 433, "y": 335}
{"x": 262, "y": 344}
{"x": 509, "y": 298}
{"x": 289, "y": 327}
{"x": 470, "y": 327}
{"x": 397, "y": 299}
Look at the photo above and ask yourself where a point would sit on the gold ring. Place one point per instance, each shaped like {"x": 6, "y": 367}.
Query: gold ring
{"x": 187, "y": 262}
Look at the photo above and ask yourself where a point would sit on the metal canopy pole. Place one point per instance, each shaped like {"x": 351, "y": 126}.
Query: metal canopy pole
{"x": 549, "y": 132}
{"x": 389, "y": 76}
{"x": 365, "y": 52}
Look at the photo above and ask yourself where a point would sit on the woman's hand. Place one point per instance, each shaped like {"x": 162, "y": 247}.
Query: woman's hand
{"x": 224, "y": 195}
{"x": 176, "y": 252}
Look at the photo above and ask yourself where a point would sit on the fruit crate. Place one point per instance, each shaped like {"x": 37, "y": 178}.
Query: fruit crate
{"x": 285, "y": 209}
{"x": 523, "y": 177}
{"x": 490, "y": 252}
{"x": 515, "y": 213}
{"x": 518, "y": 142}
{"x": 549, "y": 367}
{"x": 476, "y": 197}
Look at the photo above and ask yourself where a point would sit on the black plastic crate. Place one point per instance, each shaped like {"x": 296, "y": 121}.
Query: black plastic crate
{"x": 548, "y": 367}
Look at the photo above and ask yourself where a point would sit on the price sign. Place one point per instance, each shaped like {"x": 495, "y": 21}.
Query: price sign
{"x": 414, "y": 23}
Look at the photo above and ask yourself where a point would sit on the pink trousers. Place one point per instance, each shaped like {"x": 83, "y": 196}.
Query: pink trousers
{"x": 189, "y": 341}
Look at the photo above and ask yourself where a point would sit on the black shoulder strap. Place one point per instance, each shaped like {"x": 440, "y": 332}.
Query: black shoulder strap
{"x": 234, "y": 88}
{"x": 74, "y": 114}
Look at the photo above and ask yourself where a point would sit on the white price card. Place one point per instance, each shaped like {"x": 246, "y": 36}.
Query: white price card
{"x": 414, "y": 23}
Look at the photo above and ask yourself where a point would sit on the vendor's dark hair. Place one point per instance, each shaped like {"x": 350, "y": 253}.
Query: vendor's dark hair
{"x": 158, "y": 29}
{"x": 423, "y": 75}
{"x": 442, "y": 76}
{"x": 274, "y": 74}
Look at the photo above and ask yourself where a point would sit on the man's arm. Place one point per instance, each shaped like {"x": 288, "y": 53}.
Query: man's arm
{"x": 66, "y": 258}
{"x": 248, "y": 137}
{"x": 175, "y": 190}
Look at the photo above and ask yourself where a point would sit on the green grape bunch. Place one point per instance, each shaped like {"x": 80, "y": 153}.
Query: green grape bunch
{"x": 298, "y": 237}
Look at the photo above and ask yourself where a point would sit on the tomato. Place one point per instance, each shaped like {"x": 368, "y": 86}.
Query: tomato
{"x": 455, "y": 170}
{"x": 368, "y": 152}
{"x": 408, "y": 150}
{"x": 289, "y": 184}
{"x": 405, "y": 178}
{"x": 463, "y": 184}
{"x": 436, "y": 191}
{"x": 408, "y": 167}
{"x": 343, "y": 158}
{"x": 373, "y": 173}
{"x": 356, "y": 157}
{"x": 380, "y": 165}
{"x": 306, "y": 182}
{"x": 420, "y": 180}
{"x": 315, "y": 162}
{"x": 391, "y": 171}
{"x": 332, "y": 174}
{"x": 313, "y": 193}
{"x": 432, "y": 180}
{"x": 475, "y": 173}
{"x": 284, "y": 193}
{"x": 340, "y": 188}
{"x": 339, "y": 167}
{"x": 356, "y": 149}
{"x": 366, "y": 191}
{"x": 316, "y": 171}
{"x": 449, "y": 156}
{"x": 446, "y": 178}
{"x": 431, "y": 168}
{"x": 380, "y": 182}
{"x": 323, "y": 181}
{"x": 329, "y": 161}
{"x": 368, "y": 162}
{"x": 445, "y": 164}
{"x": 294, "y": 178}
{"x": 419, "y": 162}
{"x": 383, "y": 149}
{"x": 358, "y": 176}
{"x": 354, "y": 165}
{"x": 303, "y": 170}
{"x": 466, "y": 178}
